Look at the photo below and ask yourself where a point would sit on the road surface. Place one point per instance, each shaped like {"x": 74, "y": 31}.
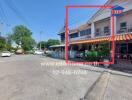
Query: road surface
{"x": 30, "y": 77}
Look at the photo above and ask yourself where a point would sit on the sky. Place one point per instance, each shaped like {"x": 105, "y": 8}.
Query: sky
{"x": 45, "y": 16}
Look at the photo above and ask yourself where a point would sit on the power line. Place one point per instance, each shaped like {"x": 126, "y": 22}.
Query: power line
{"x": 3, "y": 18}
{"x": 3, "y": 15}
{"x": 12, "y": 6}
{"x": 84, "y": 19}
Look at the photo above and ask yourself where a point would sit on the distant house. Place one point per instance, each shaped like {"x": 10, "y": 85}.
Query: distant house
{"x": 59, "y": 50}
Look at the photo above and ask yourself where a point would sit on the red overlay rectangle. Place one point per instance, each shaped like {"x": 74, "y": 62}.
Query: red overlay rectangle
{"x": 67, "y": 32}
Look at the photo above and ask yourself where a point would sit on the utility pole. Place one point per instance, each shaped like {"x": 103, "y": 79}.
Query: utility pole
{"x": 40, "y": 40}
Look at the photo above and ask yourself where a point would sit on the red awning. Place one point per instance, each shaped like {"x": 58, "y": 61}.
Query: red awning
{"x": 121, "y": 37}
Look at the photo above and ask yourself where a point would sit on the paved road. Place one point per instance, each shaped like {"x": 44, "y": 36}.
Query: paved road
{"x": 39, "y": 78}
{"x": 27, "y": 78}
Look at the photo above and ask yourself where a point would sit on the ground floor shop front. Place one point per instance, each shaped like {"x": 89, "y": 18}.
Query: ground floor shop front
{"x": 123, "y": 50}
{"x": 123, "y": 55}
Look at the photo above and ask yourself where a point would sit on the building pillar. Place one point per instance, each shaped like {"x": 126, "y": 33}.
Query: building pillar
{"x": 80, "y": 46}
{"x": 92, "y": 30}
{"x": 78, "y": 33}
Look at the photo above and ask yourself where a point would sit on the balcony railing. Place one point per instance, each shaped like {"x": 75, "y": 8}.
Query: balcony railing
{"x": 80, "y": 38}
{"x": 102, "y": 33}
{"x": 127, "y": 29}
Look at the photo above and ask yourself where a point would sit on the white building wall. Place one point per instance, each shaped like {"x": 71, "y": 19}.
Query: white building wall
{"x": 102, "y": 24}
{"x": 127, "y": 17}
{"x": 127, "y": 4}
{"x": 98, "y": 22}
{"x": 105, "y": 13}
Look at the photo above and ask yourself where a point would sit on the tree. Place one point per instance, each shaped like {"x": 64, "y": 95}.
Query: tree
{"x": 2, "y": 43}
{"x": 51, "y": 42}
{"x": 43, "y": 44}
{"x": 5, "y": 43}
{"x": 28, "y": 43}
{"x": 22, "y": 36}
{"x": 9, "y": 39}
{"x": 47, "y": 44}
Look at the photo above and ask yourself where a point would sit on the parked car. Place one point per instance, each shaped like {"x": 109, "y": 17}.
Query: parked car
{"x": 20, "y": 51}
{"x": 5, "y": 54}
{"x": 48, "y": 52}
{"x": 38, "y": 52}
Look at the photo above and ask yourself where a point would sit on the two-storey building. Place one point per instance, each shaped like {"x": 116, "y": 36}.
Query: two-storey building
{"x": 98, "y": 30}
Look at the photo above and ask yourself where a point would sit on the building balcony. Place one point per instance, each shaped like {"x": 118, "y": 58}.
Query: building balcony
{"x": 123, "y": 30}
{"x": 100, "y": 34}
{"x": 80, "y": 38}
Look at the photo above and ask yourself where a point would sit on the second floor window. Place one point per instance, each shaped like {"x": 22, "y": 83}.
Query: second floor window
{"x": 106, "y": 30}
{"x": 123, "y": 25}
{"x": 74, "y": 35}
{"x": 85, "y": 32}
{"x": 97, "y": 30}
{"x": 62, "y": 37}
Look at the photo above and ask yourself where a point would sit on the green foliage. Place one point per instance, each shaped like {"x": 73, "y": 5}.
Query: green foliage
{"x": 96, "y": 54}
{"x": 47, "y": 44}
{"x": 28, "y": 43}
{"x": 104, "y": 50}
{"x": 2, "y": 43}
{"x": 51, "y": 42}
{"x": 9, "y": 38}
{"x": 92, "y": 55}
{"x": 22, "y": 36}
{"x": 8, "y": 47}
{"x": 43, "y": 44}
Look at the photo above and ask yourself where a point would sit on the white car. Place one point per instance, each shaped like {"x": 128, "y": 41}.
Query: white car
{"x": 48, "y": 52}
{"x": 38, "y": 52}
{"x": 5, "y": 54}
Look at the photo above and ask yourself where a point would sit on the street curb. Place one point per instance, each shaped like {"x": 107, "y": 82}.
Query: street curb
{"x": 119, "y": 73}
{"x": 100, "y": 70}
{"x": 97, "y": 90}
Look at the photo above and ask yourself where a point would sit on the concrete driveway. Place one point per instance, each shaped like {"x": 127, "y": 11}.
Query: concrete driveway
{"x": 29, "y": 77}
